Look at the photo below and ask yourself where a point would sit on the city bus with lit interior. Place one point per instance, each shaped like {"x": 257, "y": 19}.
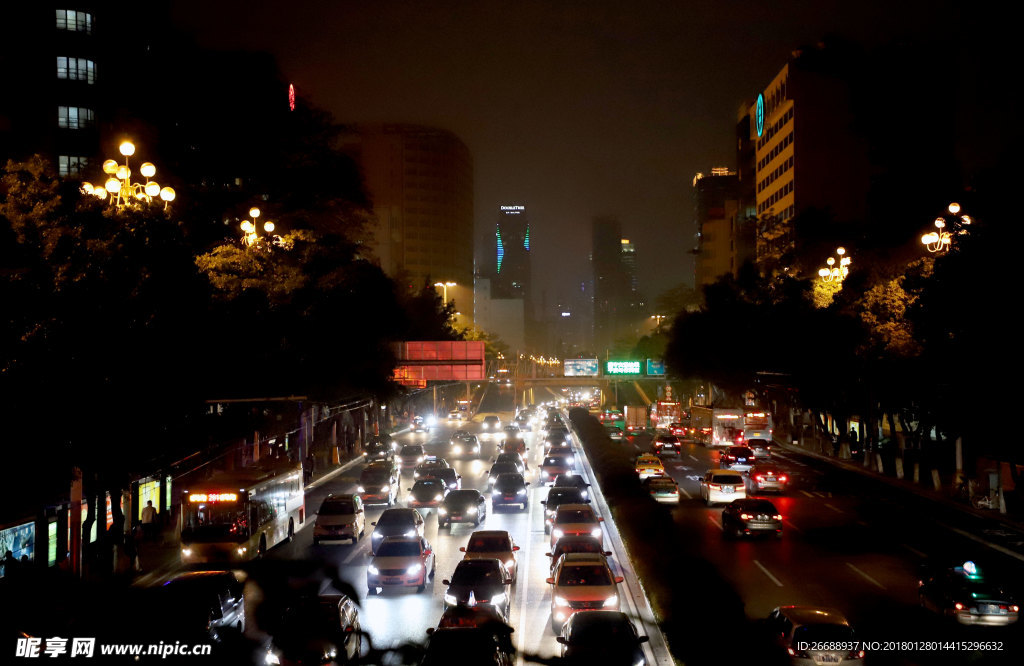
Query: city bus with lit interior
{"x": 238, "y": 515}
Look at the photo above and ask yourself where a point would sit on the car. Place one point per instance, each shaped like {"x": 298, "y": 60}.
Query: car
{"x": 429, "y": 465}
{"x": 523, "y": 422}
{"x": 314, "y": 625}
{"x": 760, "y": 448}
{"x": 664, "y": 445}
{"x": 462, "y": 506}
{"x": 801, "y": 628}
{"x": 662, "y": 489}
{"x": 340, "y": 517}
{"x": 512, "y": 457}
{"x": 456, "y": 415}
{"x": 500, "y": 468}
{"x": 751, "y": 516}
{"x": 499, "y": 544}
{"x": 512, "y": 431}
{"x": 614, "y": 433}
{"x": 562, "y": 450}
{"x": 762, "y": 478}
{"x": 516, "y": 446}
{"x": 402, "y": 561}
{"x": 379, "y": 447}
{"x": 451, "y": 478}
{"x": 404, "y": 522}
{"x": 679, "y": 429}
{"x": 609, "y": 416}
{"x": 964, "y": 594}
{"x": 575, "y": 519}
{"x": 648, "y": 465}
{"x": 557, "y": 496}
{"x": 463, "y": 443}
{"x": 480, "y": 615}
{"x": 551, "y": 467}
{"x": 581, "y": 581}
{"x": 211, "y": 602}
{"x": 606, "y": 637}
{"x": 736, "y": 457}
{"x": 427, "y": 493}
{"x": 491, "y": 423}
{"x": 378, "y": 483}
{"x": 480, "y": 581}
{"x": 411, "y": 455}
{"x": 509, "y": 488}
{"x": 574, "y": 481}
{"x": 419, "y": 424}
{"x": 575, "y": 543}
{"x": 722, "y": 486}
{"x": 467, "y": 645}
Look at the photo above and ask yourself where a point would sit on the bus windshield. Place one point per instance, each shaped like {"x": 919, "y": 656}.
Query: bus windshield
{"x": 215, "y": 521}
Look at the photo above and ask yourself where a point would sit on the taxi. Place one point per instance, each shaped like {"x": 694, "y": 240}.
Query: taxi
{"x": 493, "y": 544}
{"x": 649, "y": 465}
{"x": 663, "y": 489}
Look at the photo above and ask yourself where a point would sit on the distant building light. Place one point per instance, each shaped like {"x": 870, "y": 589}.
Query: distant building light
{"x": 624, "y": 241}
{"x": 513, "y": 209}
{"x": 566, "y": 314}
{"x": 722, "y": 171}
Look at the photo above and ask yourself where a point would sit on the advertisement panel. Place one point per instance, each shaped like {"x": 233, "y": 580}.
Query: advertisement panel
{"x": 580, "y": 367}
{"x": 655, "y": 368}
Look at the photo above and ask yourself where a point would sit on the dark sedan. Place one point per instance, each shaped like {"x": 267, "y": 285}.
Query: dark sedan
{"x": 554, "y": 466}
{"x": 427, "y": 492}
{"x": 561, "y": 495}
{"x": 462, "y": 506}
{"x": 603, "y": 637}
{"x": 500, "y": 468}
{"x": 467, "y": 645}
{"x": 480, "y": 582}
{"x": 574, "y": 481}
{"x": 665, "y": 445}
{"x": 751, "y": 516}
{"x": 411, "y": 455}
{"x": 509, "y": 489}
{"x": 965, "y": 595}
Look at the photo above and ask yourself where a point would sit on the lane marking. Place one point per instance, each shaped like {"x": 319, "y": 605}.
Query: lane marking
{"x": 866, "y": 577}
{"x": 523, "y": 583}
{"x": 807, "y": 493}
{"x": 818, "y": 493}
{"x": 768, "y": 573}
{"x": 694, "y": 457}
{"x": 790, "y": 523}
{"x": 993, "y": 546}
{"x": 833, "y": 508}
{"x": 716, "y": 522}
{"x": 356, "y": 550}
{"x": 683, "y": 491}
{"x": 915, "y": 551}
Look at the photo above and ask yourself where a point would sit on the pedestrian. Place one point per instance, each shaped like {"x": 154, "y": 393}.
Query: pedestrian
{"x": 854, "y": 435}
{"x": 10, "y": 565}
{"x": 149, "y": 521}
{"x": 131, "y": 551}
{"x": 307, "y": 468}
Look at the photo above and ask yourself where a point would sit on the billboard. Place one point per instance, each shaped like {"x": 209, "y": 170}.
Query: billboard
{"x": 622, "y": 367}
{"x": 655, "y": 368}
{"x": 580, "y": 367}
{"x": 447, "y": 360}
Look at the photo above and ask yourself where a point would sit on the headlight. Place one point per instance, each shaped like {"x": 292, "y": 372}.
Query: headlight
{"x": 561, "y": 601}
{"x": 241, "y": 550}
{"x": 438, "y": 498}
{"x": 499, "y": 598}
{"x": 415, "y": 475}
{"x": 522, "y": 491}
{"x": 271, "y": 658}
{"x": 360, "y": 489}
{"x": 373, "y": 570}
{"x": 456, "y": 449}
{"x": 450, "y": 599}
{"x": 416, "y": 569}
{"x": 612, "y": 601}
{"x": 510, "y": 563}
{"x": 410, "y": 533}
{"x": 186, "y": 552}
{"x": 385, "y": 489}
{"x": 596, "y": 533}
{"x": 557, "y": 533}
{"x": 377, "y": 535}
{"x": 420, "y": 459}
{"x": 495, "y": 492}
{"x": 441, "y": 511}
{"x": 472, "y": 511}
{"x": 570, "y": 460}
{"x": 453, "y": 486}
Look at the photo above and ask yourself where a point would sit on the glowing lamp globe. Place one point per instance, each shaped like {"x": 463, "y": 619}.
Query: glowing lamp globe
{"x": 268, "y": 227}
{"x": 87, "y": 188}
{"x": 167, "y": 194}
{"x": 152, "y": 188}
{"x": 123, "y": 172}
{"x": 127, "y": 148}
{"x": 247, "y": 227}
{"x": 954, "y": 208}
{"x": 100, "y": 193}
{"x": 254, "y": 212}
{"x": 147, "y": 169}
{"x": 110, "y": 166}
{"x": 113, "y": 185}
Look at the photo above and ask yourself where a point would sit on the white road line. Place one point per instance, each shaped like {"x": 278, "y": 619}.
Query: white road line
{"x": 818, "y": 493}
{"x": 833, "y": 508}
{"x": 807, "y": 493}
{"x": 790, "y": 523}
{"x": 695, "y": 457}
{"x": 768, "y": 573}
{"x": 915, "y": 551}
{"x": 716, "y": 522}
{"x": 355, "y": 551}
{"x": 993, "y": 546}
{"x": 683, "y": 491}
{"x": 866, "y": 577}
{"x": 523, "y": 583}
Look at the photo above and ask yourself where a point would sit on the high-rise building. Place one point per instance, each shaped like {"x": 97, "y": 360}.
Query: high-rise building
{"x": 724, "y": 234}
{"x": 617, "y": 303}
{"x": 512, "y": 254}
{"x": 420, "y": 183}
{"x": 628, "y": 260}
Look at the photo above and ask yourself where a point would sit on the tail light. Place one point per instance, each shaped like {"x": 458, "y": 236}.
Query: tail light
{"x": 855, "y": 654}
{"x": 714, "y": 486}
{"x": 746, "y": 516}
{"x": 1014, "y": 609}
{"x": 959, "y": 606}
{"x": 759, "y": 478}
{"x": 777, "y": 516}
{"x": 782, "y": 478}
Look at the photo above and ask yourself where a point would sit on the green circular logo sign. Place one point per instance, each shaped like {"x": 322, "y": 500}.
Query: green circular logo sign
{"x": 759, "y": 115}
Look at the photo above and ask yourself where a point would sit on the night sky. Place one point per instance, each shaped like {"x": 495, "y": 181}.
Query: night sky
{"x": 573, "y": 109}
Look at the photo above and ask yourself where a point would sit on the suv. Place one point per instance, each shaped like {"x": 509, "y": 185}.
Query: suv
{"x": 799, "y": 627}
{"x": 379, "y": 447}
{"x": 575, "y": 519}
{"x": 339, "y": 517}
{"x": 574, "y": 481}
{"x": 666, "y": 444}
{"x": 216, "y": 597}
{"x": 462, "y": 506}
{"x": 737, "y": 457}
{"x": 396, "y": 522}
{"x": 722, "y": 485}
{"x": 581, "y": 581}
{"x": 509, "y": 488}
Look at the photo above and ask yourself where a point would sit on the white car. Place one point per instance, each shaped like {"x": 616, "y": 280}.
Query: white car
{"x": 401, "y": 561}
{"x": 721, "y": 486}
{"x": 340, "y": 517}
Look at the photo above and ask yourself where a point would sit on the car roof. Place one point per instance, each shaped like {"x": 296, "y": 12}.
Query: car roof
{"x": 726, "y": 472}
{"x": 344, "y": 497}
{"x": 813, "y": 615}
{"x": 401, "y": 539}
{"x": 464, "y": 493}
{"x": 575, "y": 507}
{"x": 584, "y": 558}
{"x": 490, "y": 533}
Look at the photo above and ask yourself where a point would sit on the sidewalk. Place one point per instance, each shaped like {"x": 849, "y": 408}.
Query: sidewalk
{"x": 905, "y": 485}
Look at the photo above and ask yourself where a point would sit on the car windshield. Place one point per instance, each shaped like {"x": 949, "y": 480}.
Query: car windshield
{"x": 566, "y": 496}
{"x": 509, "y": 481}
{"x": 503, "y": 468}
{"x": 588, "y": 545}
{"x": 976, "y": 589}
{"x": 669, "y": 439}
{"x": 336, "y": 507}
{"x": 758, "y": 506}
{"x": 400, "y": 517}
{"x": 508, "y": 458}
{"x": 584, "y": 574}
{"x": 661, "y": 484}
{"x": 726, "y": 479}
{"x": 554, "y": 461}
{"x": 460, "y": 646}
{"x": 576, "y": 516}
{"x": 597, "y": 628}
{"x": 573, "y": 480}
{"x": 374, "y": 476}
{"x": 823, "y": 633}
{"x": 477, "y": 572}
{"x": 398, "y": 549}
{"x": 462, "y": 497}
{"x": 428, "y": 486}
{"x": 412, "y": 450}
{"x": 489, "y": 544}
{"x": 740, "y": 451}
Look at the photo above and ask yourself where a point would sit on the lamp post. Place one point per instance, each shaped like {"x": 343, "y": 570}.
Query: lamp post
{"x": 940, "y": 240}
{"x": 119, "y": 185}
{"x": 657, "y": 321}
{"x": 444, "y": 286}
{"x": 833, "y": 272}
{"x": 251, "y": 230}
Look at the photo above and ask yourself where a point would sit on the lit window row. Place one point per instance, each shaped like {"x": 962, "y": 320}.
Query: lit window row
{"x": 74, "y": 117}
{"x": 776, "y": 195}
{"x": 76, "y": 69}
{"x": 774, "y": 128}
{"x": 775, "y": 174}
{"x": 68, "y": 165}
{"x": 76, "y": 21}
{"x": 774, "y": 152}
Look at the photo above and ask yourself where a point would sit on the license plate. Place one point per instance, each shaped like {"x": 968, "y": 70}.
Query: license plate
{"x": 391, "y": 579}
{"x": 826, "y": 658}
{"x": 989, "y": 609}
{"x": 510, "y": 497}
{"x": 727, "y": 489}
{"x": 456, "y": 517}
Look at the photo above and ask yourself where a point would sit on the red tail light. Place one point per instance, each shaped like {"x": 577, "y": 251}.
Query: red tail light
{"x": 746, "y": 516}
{"x": 759, "y": 478}
{"x": 782, "y": 478}
{"x": 714, "y": 486}
{"x": 777, "y": 516}
{"x": 958, "y": 606}
{"x": 855, "y": 654}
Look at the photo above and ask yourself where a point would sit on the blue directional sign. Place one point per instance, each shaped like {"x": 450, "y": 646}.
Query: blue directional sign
{"x": 655, "y": 368}
{"x": 580, "y": 367}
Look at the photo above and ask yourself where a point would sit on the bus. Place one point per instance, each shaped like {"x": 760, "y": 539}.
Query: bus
{"x": 238, "y": 515}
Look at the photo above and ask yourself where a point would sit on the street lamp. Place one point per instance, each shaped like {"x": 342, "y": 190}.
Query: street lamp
{"x": 120, "y": 187}
{"x": 251, "y": 236}
{"x": 834, "y": 273}
{"x": 940, "y": 241}
{"x": 444, "y": 286}
{"x": 657, "y": 321}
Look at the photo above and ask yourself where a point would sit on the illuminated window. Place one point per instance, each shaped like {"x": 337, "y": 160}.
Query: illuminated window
{"x": 69, "y": 19}
{"x": 76, "y": 69}
{"x": 74, "y": 117}
{"x": 68, "y": 165}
